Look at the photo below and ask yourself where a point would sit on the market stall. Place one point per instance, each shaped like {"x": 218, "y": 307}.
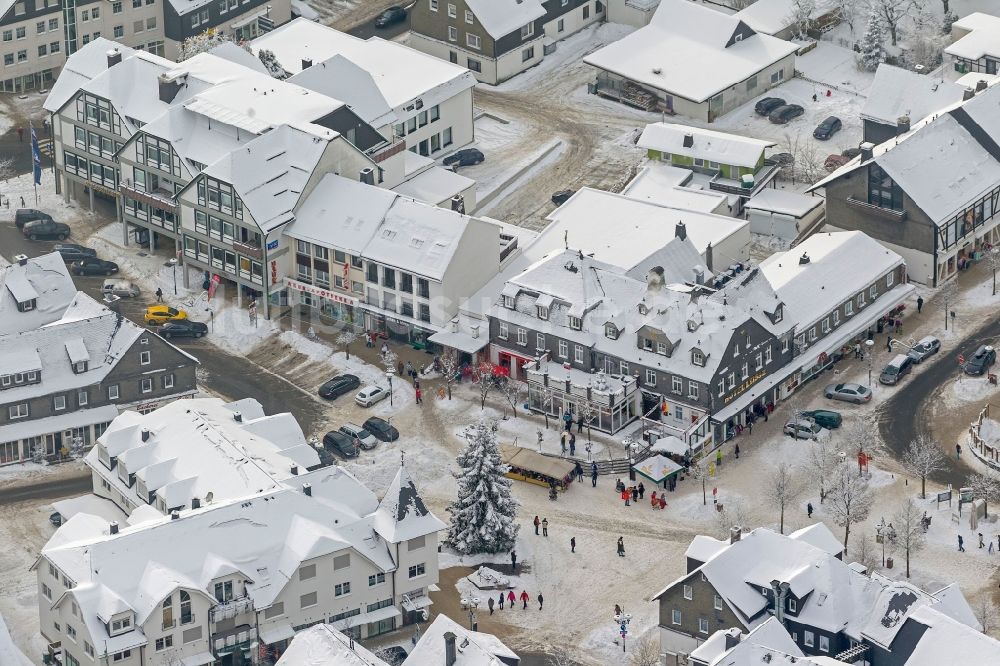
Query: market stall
{"x": 526, "y": 465}
{"x": 657, "y": 469}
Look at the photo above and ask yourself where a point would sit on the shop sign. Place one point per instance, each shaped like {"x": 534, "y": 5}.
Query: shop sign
{"x": 323, "y": 293}
{"x": 272, "y": 245}
{"x": 742, "y": 388}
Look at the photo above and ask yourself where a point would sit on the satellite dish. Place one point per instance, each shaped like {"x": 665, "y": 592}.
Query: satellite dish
{"x": 209, "y": 497}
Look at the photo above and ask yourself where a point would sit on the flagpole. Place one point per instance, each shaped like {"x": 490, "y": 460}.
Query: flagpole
{"x": 36, "y": 161}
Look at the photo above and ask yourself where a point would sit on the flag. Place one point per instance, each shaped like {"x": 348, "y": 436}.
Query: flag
{"x": 36, "y": 157}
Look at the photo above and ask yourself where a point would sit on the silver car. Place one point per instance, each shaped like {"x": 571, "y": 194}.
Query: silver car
{"x": 855, "y": 393}
{"x": 364, "y": 438}
{"x": 805, "y": 429}
{"x": 926, "y": 347}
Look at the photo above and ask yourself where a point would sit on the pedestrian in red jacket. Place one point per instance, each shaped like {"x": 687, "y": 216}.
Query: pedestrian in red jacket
{"x": 511, "y": 599}
{"x": 524, "y": 599}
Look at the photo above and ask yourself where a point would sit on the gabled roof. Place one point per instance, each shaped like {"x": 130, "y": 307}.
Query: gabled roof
{"x": 770, "y": 635}
{"x": 86, "y": 63}
{"x": 339, "y": 77}
{"x": 402, "y": 514}
{"x": 479, "y": 649}
{"x": 706, "y": 144}
{"x": 946, "y": 641}
{"x": 323, "y": 644}
{"x": 44, "y": 279}
{"x": 897, "y": 92}
{"x": 502, "y": 17}
{"x": 819, "y": 535}
{"x": 341, "y": 212}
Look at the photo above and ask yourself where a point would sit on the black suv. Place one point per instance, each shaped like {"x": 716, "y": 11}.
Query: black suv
{"x": 341, "y": 444}
{"x": 71, "y": 253}
{"x": 338, "y": 386}
{"x": 981, "y": 361}
{"x": 94, "y": 266}
{"x": 24, "y": 215}
{"x": 784, "y": 114}
{"x": 381, "y": 429}
{"x": 827, "y": 128}
{"x": 465, "y": 157}
{"x": 183, "y": 328}
{"x": 767, "y": 105}
{"x": 47, "y": 228}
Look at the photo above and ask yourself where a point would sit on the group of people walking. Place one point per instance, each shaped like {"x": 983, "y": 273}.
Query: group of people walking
{"x": 511, "y": 599}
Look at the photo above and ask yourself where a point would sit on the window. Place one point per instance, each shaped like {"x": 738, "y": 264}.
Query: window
{"x": 122, "y": 656}
{"x": 675, "y": 617}
{"x": 777, "y": 76}
{"x": 187, "y": 617}
{"x": 889, "y": 279}
{"x": 522, "y": 336}
{"x": 745, "y": 370}
{"x": 752, "y": 83}
{"x": 113, "y": 392}
{"x": 702, "y": 625}
{"x": 435, "y": 113}
{"x": 650, "y": 378}
{"x": 586, "y": 12}
{"x": 388, "y": 278}
{"x": 417, "y": 570}
{"x": 146, "y": 385}
{"x": 167, "y": 381}
{"x": 688, "y": 592}
{"x": 95, "y": 12}
{"x": 578, "y": 353}
{"x": 342, "y": 562}
{"x": 610, "y": 331}
{"x": 40, "y": 27}
{"x": 824, "y": 644}
{"x": 116, "y": 8}
{"x": 307, "y": 572}
{"x": 224, "y": 591}
{"x": 341, "y": 589}
{"x": 575, "y": 323}
{"x": 89, "y": 649}
{"x": 808, "y": 638}
{"x": 309, "y": 599}
{"x": 46, "y": 592}
{"x": 873, "y": 292}
{"x": 59, "y": 403}
{"x": 119, "y": 31}
{"x": 527, "y": 31}
{"x": 836, "y": 317}
{"x": 563, "y": 349}
{"x": 8, "y": 58}
{"x": 21, "y": 32}
{"x": 473, "y": 41}
{"x": 731, "y": 381}
{"x": 717, "y": 602}
{"x": 677, "y": 385}
{"x": 693, "y": 390}
{"x": 275, "y": 610}
{"x": 376, "y": 579}
{"x": 527, "y": 54}
{"x": 623, "y": 367}
{"x": 561, "y": 25}
{"x": 825, "y": 326}
{"x": 144, "y": 358}
{"x": 543, "y": 313}
{"x": 433, "y": 5}
{"x": 697, "y": 358}
{"x": 539, "y": 340}
{"x": 469, "y": 18}
{"x": 792, "y": 605}
{"x": 119, "y": 625}
{"x": 849, "y": 308}
{"x": 661, "y": 348}
{"x": 452, "y": 33}
{"x": 164, "y": 643}
{"x": 8, "y": 35}
{"x": 71, "y": 631}
{"x": 508, "y": 302}
{"x": 452, "y": 11}
{"x": 423, "y": 288}
{"x": 861, "y": 300}
{"x": 17, "y": 411}
{"x": 503, "y": 330}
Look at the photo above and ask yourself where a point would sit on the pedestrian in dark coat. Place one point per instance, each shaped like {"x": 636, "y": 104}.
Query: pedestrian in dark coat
{"x": 642, "y": 490}
{"x": 537, "y": 523}
{"x": 579, "y": 423}
{"x": 545, "y": 526}
{"x": 920, "y": 304}
{"x": 513, "y": 561}
{"x": 961, "y": 544}
{"x": 572, "y": 544}
{"x": 501, "y": 600}
{"x": 524, "y": 599}
{"x": 593, "y": 476}
{"x": 809, "y": 510}
{"x": 541, "y": 600}
{"x": 490, "y": 604}
{"x": 635, "y": 493}
{"x": 572, "y": 444}
{"x": 737, "y": 450}
{"x": 621, "y": 546}
{"x": 888, "y": 344}
{"x": 578, "y": 470}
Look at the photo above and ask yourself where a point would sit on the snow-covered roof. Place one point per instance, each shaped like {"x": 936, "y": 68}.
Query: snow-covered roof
{"x": 10, "y": 654}
{"x": 434, "y": 185}
{"x": 323, "y": 645}
{"x": 477, "y": 648}
{"x": 947, "y": 641}
{"x": 713, "y": 60}
{"x": 983, "y": 38}
{"x": 706, "y": 144}
{"x": 841, "y": 264}
{"x": 784, "y": 202}
{"x": 342, "y": 213}
{"x": 398, "y": 73}
{"x": 86, "y": 63}
{"x": 819, "y": 535}
{"x": 770, "y": 634}
{"x": 657, "y": 468}
{"x": 132, "y": 86}
{"x": 44, "y": 279}
{"x": 197, "y": 449}
{"x": 897, "y": 92}
{"x": 664, "y": 185}
{"x": 773, "y": 16}
{"x": 92, "y": 504}
{"x": 642, "y": 225}
{"x": 502, "y": 17}
{"x": 402, "y": 514}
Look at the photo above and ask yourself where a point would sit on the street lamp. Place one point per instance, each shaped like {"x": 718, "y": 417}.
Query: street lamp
{"x": 388, "y": 375}
{"x": 173, "y": 264}
{"x": 870, "y": 355}
{"x": 471, "y": 605}
{"x": 623, "y": 620}
{"x": 883, "y": 533}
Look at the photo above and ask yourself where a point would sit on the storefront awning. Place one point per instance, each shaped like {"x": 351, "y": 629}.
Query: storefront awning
{"x": 199, "y": 659}
{"x": 376, "y": 615}
{"x": 463, "y": 342}
{"x": 417, "y": 603}
{"x": 276, "y": 632}
{"x": 530, "y": 461}
{"x": 657, "y": 468}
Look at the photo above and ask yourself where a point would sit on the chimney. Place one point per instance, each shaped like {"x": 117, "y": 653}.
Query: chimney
{"x": 145, "y": 434}
{"x": 307, "y": 63}
{"x": 654, "y": 278}
{"x": 307, "y": 489}
{"x": 114, "y": 57}
{"x": 708, "y": 256}
{"x": 866, "y": 150}
{"x": 968, "y": 94}
{"x": 680, "y": 231}
{"x": 295, "y": 470}
{"x": 732, "y": 639}
{"x": 458, "y": 204}
{"x": 778, "y": 606}
{"x": 688, "y": 140}
{"x": 113, "y": 527}
{"x": 21, "y": 259}
{"x": 735, "y": 532}
{"x": 168, "y": 88}
{"x": 238, "y": 417}
{"x": 804, "y": 259}
{"x": 980, "y": 85}
{"x": 450, "y": 652}
{"x": 368, "y": 176}
{"x": 195, "y": 503}
{"x": 174, "y": 515}
{"x": 699, "y": 274}
{"x": 902, "y": 125}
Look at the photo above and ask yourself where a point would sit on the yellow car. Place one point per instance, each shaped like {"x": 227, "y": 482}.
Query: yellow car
{"x": 161, "y": 314}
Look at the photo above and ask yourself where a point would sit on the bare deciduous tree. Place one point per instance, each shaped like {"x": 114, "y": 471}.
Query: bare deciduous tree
{"x": 908, "y": 522}
{"x": 823, "y": 461}
{"x": 345, "y": 339}
{"x": 802, "y": 16}
{"x": 865, "y": 553}
{"x": 512, "y": 390}
{"x": 893, "y": 12}
{"x": 545, "y": 396}
{"x": 850, "y": 498}
{"x": 733, "y": 515}
{"x": 985, "y": 487}
{"x": 645, "y": 652}
{"x": 487, "y": 380}
{"x": 782, "y": 487}
{"x": 922, "y": 458}
{"x": 698, "y": 470}
{"x": 987, "y": 613}
{"x": 588, "y": 411}
{"x": 860, "y": 434}
{"x": 450, "y": 369}
{"x": 847, "y": 11}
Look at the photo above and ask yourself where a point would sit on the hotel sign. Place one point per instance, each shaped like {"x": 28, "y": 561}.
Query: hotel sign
{"x": 746, "y": 384}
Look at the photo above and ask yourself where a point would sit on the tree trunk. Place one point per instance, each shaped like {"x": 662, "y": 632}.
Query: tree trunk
{"x": 944, "y": 4}
{"x": 704, "y": 496}
{"x": 449, "y": 390}
{"x": 347, "y": 348}
{"x": 994, "y": 270}
{"x": 546, "y": 420}
{"x": 892, "y": 33}
{"x": 781, "y": 530}
{"x": 907, "y": 562}
{"x": 923, "y": 487}
{"x": 847, "y": 533}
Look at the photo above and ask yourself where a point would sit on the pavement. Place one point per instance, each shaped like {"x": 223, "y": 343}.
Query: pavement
{"x": 69, "y": 486}
{"x": 366, "y": 29}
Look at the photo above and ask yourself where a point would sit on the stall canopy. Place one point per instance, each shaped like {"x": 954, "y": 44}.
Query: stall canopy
{"x": 657, "y": 468}
{"x": 669, "y": 444}
{"x": 556, "y": 469}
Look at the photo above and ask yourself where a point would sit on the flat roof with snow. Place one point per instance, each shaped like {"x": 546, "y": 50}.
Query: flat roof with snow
{"x": 784, "y": 202}
{"x": 706, "y": 144}
{"x": 897, "y": 92}
{"x": 983, "y": 38}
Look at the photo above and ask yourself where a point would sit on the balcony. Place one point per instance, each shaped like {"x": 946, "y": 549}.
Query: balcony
{"x": 248, "y": 249}
{"x": 877, "y": 211}
{"x": 238, "y": 638}
{"x": 158, "y": 198}
{"x": 761, "y": 178}
{"x": 230, "y": 609}
{"x": 382, "y": 152}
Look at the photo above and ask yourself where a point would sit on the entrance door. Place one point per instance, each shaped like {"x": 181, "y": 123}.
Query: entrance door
{"x": 424, "y": 148}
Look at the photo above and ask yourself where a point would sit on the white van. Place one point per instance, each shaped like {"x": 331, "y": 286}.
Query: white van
{"x": 120, "y": 288}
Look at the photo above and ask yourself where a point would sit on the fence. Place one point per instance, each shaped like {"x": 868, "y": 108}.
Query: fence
{"x": 987, "y": 451}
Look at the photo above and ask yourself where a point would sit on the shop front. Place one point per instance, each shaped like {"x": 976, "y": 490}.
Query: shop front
{"x": 607, "y": 403}
{"x": 327, "y": 303}
{"x": 513, "y": 363}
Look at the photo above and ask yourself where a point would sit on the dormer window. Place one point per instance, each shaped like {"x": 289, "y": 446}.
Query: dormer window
{"x": 121, "y": 625}
{"x": 508, "y": 302}
{"x": 543, "y": 313}
{"x": 26, "y": 306}
{"x": 778, "y": 314}
{"x": 80, "y": 367}
{"x": 661, "y": 348}
{"x": 647, "y": 344}
{"x": 575, "y": 323}
{"x": 697, "y": 358}
{"x": 610, "y": 331}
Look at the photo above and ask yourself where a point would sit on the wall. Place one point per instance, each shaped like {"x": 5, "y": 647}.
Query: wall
{"x": 433, "y": 25}
{"x": 475, "y": 262}
{"x": 738, "y": 94}
{"x": 685, "y": 636}
{"x": 454, "y": 112}
{"x": 571, "y": 17}
{"x": 512, "y": 62}
{"x": 626, "y": 12}
{"x": 33, "y": 63}
{"x": 781, "y": 226}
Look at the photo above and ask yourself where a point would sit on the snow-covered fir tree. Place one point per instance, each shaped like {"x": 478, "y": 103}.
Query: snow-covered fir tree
{"x": 271, "y": 63}
{"x": 872, "y": 52}
{"x": 205, "y": 42}
{"x": 483, "y": 517}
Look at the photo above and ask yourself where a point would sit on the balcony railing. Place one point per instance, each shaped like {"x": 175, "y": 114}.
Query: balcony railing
{"x": 227, "y": 642}
{"x": 248, "y": 249}
{"x": 887, "y": 213}
{"x": 230, "y": 609}
{"x": 158, "y": 198}
{"x": 732, "y": 186}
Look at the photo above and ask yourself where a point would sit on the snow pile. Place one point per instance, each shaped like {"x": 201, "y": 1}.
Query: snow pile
{"x": 970, "y": 389}
{"x": 989, "y": 431}
{"x": 10, "y": 655}
{"x": 485, "y": 578}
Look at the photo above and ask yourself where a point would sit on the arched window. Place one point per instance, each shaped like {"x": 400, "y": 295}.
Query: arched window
{"x": 186, "y": 615}
{"x": 168, "y": 613}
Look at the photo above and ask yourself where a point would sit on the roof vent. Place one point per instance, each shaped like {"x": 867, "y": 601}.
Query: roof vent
{"x": 307, "y": 489}
{"x": 195, "y": 503}
{"x": 980, "y": 85}
{"x": 367, "y": 176}
{"x": 21, "y": 259}
{"x": 804, "y": 259}
{"x": 113, "y": 528}
{"x": 657, "y": 71}
{"x": 968, "y": 94}
{"x": 307, "y": 63}
{"x": 735, "y": 532}
{"x": 458, "y": 204}
{"x": 146, "y": 432}
{"x": 902, "y": 125}
{"x": 688, "y": 140}
{"x": 114, "y": 57}
{"x": 238, "y": 417}
{"x": 680, "y": 231}
{"x": 867, "y": 150}
{"x": 175, "y": 514}
{"x": 295, "y": 470}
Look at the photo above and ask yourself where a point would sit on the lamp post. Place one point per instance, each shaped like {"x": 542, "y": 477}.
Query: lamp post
{"x": 883, "y": 533}
{"x": 870, "y": 355}
{"x": 622, "y": 620}
{"x": 388, "y": 375}
{"x": 471, "y": 605}
{"x": 173, "y": 264}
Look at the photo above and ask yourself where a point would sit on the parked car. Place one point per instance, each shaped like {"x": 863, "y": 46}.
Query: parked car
{"x": 981, "y": 361}
{"x": 56, "y": 518}
{"x": 71, "y": 252}
{"x": 338, "y": 386}
{"x": 161, "y": 314}
{"x": 855, "y": 393}
{"x": 93, "y": 266}
{"x": 47, "y": 228}
{"x": 391, "y": 16}
{"x": 24, "y": 215}
{"x": 382, "y": 429}
{"x": 393, "y": 655}
{"x": 805, "y": 429}
{"x": 120, "y": 288}
{"x": 465, "y": 157}
{"x": 783, "y": 159}
{"x": 341, "y": 444}
{"x": 927, "y": 346}
{"x": 827, "y": 418}
{"x": 325, "y": 459}
{"x": 827, "y": 128}
{"x": 834, "y": 162}
{"x": 184, "y": 328}
{"x": 367, "y": 440}
{"x": 562, "y": 196}
{"x": 784, "y": 114}
{"x": 767, "y": 105}
{"x": 850, "y": 153}
{"x": 898, "y": 367}
{"x": 369, "y": 395}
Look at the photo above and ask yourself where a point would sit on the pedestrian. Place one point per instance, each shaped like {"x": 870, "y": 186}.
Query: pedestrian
{"x": 593, "y": 476}
{"x": 920, "y": 304}
{"x": 899, "y": 325}
{"x": 998, "y": 542}
{"x": 718, "y": 457}
{"x": 490, "y": 603}
{"x": 635, "y": 493}
{"x": 737, "y": 450}
{"x": 511, "y": 599}
{"x": 572, "y": 444}
{"x": 419, "y": 396}
{"x": 888, "y": 344}
{"x": 541, "y": 600}
{"x": 563, "y": 438}
{"x": 545, "y": 526}
{"x": 537, "y": 523}
{"x": 159, "y": 295}
{"x": 663, "y": 501}
{"x": 578, "y": 470}
{"x": 642, "y": 490}
{"x": 572, "y": 544}
{"x": 814, "y": 97}
{"x": 524, "y": 599}
{"x": 20, "y": 134}
{"x": 809, "y": 510}
{"x": 568, "y": 420}
{"x": 513, "y": 561}
{"x": 990, "y": 550}
{"x": 626, "y": 495}
{"x": 981, "y": 544}
{"x": 958, "y": 451}
{"x": 857, "y": 350}
{"x": 385, "y": 349}
{"x": 579, "y": 424}
{"x": 652, "y": 500}
{"x": 22, "y": 201}
{"x": 961, "y": 542}
{"x": 409, "y": 369}
{"x": 715, "y": 495}
{"x": 618, "y": 610}
{"x": 621, "y": 546}
{"x": 749, "y": 429}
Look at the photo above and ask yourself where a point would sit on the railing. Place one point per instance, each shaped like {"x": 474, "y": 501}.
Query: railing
{"x": 511, "y": 245}
{"x": 158, "y": 198}
{"x": 394, "y": 148}
{"x": 733, "y": 186}
{"x": 887, "y": 213}
{"x": 227, "y": 642}
{"x": 230, "y": 609}
{"x": 248, "y": 249}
